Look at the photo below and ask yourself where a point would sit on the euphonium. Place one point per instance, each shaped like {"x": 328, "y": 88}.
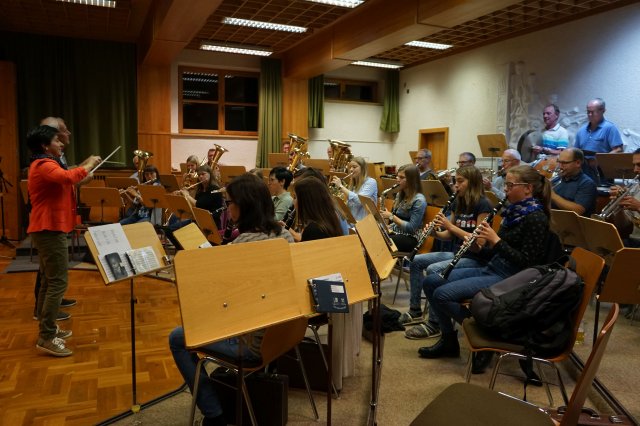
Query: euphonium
{"x": 296, "y": 159}
{"x": 297, "y": 142}
{"x": 190, "y": 179}
{"x": 334, "y": 190}
{"x": 218, "y": 151}
{"x": 143, "y": 159}
{"x": 340, "y": 155}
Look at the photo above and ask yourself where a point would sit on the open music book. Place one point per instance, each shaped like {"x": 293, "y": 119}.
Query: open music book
{"x": 329, "y": 294}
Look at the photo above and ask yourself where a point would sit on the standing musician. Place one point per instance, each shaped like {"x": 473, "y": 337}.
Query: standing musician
{"x": 53, "y": 213}
{"x": 520, "y": 243}
{"x": 203, "y": 198}
{"x": 250, "y": 206}
{"x": 405, "y": 219}
{"x": 316, "y": 215}
{"x": 139, "y": 212}
{"x": 575, "y": 191}
{"x": 554, "y": 137}
{"x": 360, "y": 184}
{"x": 423, "y": 162}
{"x": 470, "y": 207}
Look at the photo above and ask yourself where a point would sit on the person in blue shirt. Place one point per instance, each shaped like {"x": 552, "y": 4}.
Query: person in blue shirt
{"x": 575, "y": 191}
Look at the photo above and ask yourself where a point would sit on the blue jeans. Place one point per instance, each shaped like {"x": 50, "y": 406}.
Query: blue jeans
{"x": 432, "y": 263}
{"x": 186, "y": 361}
{"x": 463, "y": 283}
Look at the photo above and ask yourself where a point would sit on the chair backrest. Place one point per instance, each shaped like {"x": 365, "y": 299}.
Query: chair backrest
{"x": 589, "y": 266}
{"x": 590, "y": 369}
{"x": 280, "y": 338}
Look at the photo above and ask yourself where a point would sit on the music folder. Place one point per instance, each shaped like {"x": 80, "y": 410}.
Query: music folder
{"x": 329, "y": 294}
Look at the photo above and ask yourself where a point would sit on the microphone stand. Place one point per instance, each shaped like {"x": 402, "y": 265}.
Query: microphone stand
{"x": 4, "y": 184}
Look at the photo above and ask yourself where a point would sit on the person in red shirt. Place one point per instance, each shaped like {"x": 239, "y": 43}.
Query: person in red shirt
{"x": 53, "y": 212}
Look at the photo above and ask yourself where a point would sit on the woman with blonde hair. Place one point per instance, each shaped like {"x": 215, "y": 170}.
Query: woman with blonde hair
{"x": 360, "y": 184}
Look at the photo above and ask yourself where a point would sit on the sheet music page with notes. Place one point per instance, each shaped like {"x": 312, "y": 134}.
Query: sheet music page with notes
{"x": 110, "y": 240}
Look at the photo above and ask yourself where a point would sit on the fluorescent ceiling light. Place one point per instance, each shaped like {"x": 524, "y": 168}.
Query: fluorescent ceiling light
{"x": 378, "y": 64}
{"x": 427, "y": 45}
{"x": 236, "y": 48}
{"x": 342, "y": 3}
{"x": 102, "y": 3}
{"x": 263, "y": 25}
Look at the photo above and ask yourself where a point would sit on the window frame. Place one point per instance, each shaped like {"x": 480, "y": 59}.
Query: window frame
{"x": 221, "y": 102}
{"x": 343, "y": 83}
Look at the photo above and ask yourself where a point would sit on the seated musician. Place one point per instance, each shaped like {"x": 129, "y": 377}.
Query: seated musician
{"x": 405, "y": 219}
{"x": 469, "y": 208}
{"x": 279, "y": 180}
{"x": 203, "y": 198}
{"x": 520, "y": 243}
{"x": 139, "y": 212}
{"x": 423, "y": 162}
{"x": 360, "y": 184}
{"x": 191, "y": 176}
{"x": 575, "y": 191}
{"x": 510, "y": 158}
{"x": 555, "y": 138}
{"x": 630, "y": 204}
{"x": 250, "y": 206}
{"x": 316, "y": 215}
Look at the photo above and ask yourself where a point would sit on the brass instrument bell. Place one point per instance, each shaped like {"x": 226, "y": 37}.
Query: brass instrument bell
{"x": 340, "y": 155}
{"x": 143, "y": 159}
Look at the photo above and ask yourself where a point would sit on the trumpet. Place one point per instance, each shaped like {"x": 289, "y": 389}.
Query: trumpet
{"x": 430, "y": 228}
{"x": 219, "y": 190}
{"x": 613, "y": 207}
{"x": 443, "y": 173}
{"x": 472, "y": 239}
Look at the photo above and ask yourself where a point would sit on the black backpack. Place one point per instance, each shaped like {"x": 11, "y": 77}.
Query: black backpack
{"x": 532, "y": 308}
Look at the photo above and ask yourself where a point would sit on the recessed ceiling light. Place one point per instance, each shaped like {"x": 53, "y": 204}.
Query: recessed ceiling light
{"x": 341, "y": 3}
{"x": 428, "y": 45}
{"x": 235, "y": 48}
{"x": 378, "y": 64}
{"x": 263, "y": 25}
{"x": 101, "y": 3}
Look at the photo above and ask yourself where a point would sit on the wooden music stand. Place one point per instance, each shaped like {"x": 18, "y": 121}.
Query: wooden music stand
{"x": 382, "y": 225}
{"x": 139, "y": 235}
{"x": 119, "y": 182}
{"x": 344, "y": 210}
{"x": 170, "y": 182}
{"x": 179, "y": 205}
{"x": 376, "y": 247}
{"x": 623, "y": 281}
{"x": 602, "y": 238}
{"x": 434, "y": 192}
{"x": 328, "y": 256}
{"x": 100, "y": 197}
{"x": 153, "y": 197}
{"x": 616, "y": 166}
{"x": 318, "y": 163}
{"x": 207, "y": 225}
{"x": 565, "y": 224}
{"x": 492, "y": 145}
{"x": 276, "y": 159}
{"x": 190, "y": 237}
{"x": 229, "y": 172}
{"x": 412, "y": 156}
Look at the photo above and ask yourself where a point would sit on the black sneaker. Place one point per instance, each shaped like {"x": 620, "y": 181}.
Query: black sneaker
{"x": 62, "y": 315}
{"x": 67, "y": 302}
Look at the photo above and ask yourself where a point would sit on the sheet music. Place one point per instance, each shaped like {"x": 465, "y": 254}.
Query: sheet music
{"x": 143, "y": 259}
{"x": 110, "y": 239}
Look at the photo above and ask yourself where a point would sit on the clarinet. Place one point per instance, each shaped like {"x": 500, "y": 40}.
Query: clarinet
{"x": 472, "y": 239}
{"x": 430, "y": 228}
{"x": 289, "y": 217}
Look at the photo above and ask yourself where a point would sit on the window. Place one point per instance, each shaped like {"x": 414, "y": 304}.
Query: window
{"x": 350, "y": 90}
{"x": 218, "y": 102}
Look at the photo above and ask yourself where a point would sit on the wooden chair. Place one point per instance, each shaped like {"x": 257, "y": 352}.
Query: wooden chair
{"x": 278, "y": 340}
{"x": 589, "y": 266}
{"x": 486, "y": 407}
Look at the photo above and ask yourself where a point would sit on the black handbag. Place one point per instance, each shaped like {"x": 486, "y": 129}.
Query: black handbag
{"x": 269, "y": 395}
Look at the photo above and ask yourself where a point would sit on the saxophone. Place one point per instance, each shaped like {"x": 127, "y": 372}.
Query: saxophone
{"x": 430, "y": 228}
{"x": 472, "y": 239}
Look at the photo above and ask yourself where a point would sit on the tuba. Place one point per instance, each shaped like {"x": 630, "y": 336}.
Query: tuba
{"x": 218, "y": 151}
{"x": 298, "y": 150}
{"x": 340, "y": 155}
{"x": 143, "y": 159}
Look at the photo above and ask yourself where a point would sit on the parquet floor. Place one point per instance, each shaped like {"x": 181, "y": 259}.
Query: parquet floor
{"x": 95, "y": 383}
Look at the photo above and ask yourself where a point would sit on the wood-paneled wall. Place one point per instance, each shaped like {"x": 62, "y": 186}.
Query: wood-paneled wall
{"x": 295, "y": 107}
{"x": 12, "y": 200}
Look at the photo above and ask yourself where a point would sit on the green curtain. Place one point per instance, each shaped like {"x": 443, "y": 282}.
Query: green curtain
{"x": 391, "y": 110}
{"x": 90, "y": 84}
{"x": 316, "y": 102}
{"x": 270, "y": 110}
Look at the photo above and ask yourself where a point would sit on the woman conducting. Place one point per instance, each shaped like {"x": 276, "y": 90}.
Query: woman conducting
{"x": 519, "y": 244}
{"x": 250, "y": 206}
{"x": 469, "y": 208}
{"x": 360, "y": 184}
{"x": 405, "y": 219}
{"x": 53, "y": 214}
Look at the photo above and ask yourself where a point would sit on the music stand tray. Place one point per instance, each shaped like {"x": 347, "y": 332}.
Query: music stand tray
{"x": 566, "y": 225}
{"x": 623, "y": 281}
{"x": 207, "y": 225}
{"x": 492, "y": 145}
{"x": 119, "y": 182}
{"x": 602, "y": 238}
{"x": 170, "y": 182}
{"x": 616, "y": 166}
{"x": 190, "y": 237}
{"x": 434, "y": 192}
{"x": 318, "y": 163}
{"x": 179, "y": 205}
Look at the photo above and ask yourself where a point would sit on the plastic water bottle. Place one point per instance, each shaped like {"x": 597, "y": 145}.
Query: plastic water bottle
{"x": 580, "y": 335}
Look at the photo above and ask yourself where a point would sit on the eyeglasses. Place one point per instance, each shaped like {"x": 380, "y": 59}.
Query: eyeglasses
{"x": 420, "y": 158}
{"x": 228, "y": 202}
{"x": 510, "y": 185}
{"x": 462, "y": 163}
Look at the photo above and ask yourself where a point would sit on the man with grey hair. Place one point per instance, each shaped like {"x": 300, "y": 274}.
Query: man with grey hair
{"x": 423, "y": 163}
{"x": 554, "y": 137}
{"x": 597, "y": 135}
{"x": 510, "y": 158}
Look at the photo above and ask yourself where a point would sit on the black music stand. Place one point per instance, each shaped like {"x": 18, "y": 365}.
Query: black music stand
{"x": 492, "y": 145}
{"x": 153, "y": 197}
{"x": 616, "y": 166}
{"x": 434, "y": 192}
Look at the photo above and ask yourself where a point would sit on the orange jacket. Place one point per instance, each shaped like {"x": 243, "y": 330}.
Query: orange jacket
{"x": 53, "y": 202}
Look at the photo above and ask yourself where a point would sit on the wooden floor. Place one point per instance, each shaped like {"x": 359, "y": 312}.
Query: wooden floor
{"x": 95, "y": 383}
